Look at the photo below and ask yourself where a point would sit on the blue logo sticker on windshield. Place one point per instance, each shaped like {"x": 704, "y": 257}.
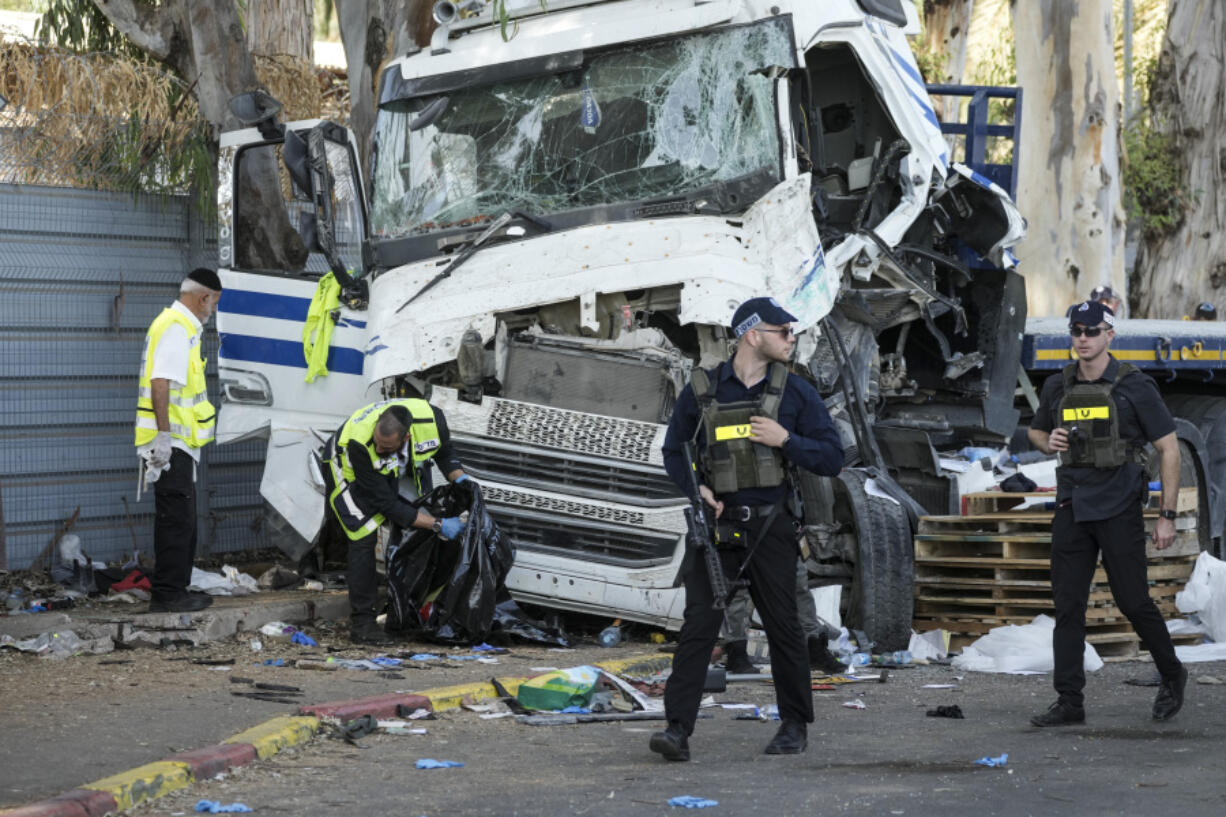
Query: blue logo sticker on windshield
{"x": 589, "y": 116}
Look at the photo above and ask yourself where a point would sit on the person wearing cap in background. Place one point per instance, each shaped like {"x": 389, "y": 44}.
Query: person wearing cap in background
{"x": 1106, "y": 296}
{"x": 1098, "y": 414}
{"x": 1205, "y": 311}
{"x": 174, "y": 420}
{"x": 743, "y": 476}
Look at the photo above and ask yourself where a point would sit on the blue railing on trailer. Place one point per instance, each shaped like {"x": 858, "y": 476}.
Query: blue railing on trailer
{"x": 976, "y": 130}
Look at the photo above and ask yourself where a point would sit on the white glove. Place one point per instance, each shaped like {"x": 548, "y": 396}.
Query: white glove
{"x": 159, "y": 455}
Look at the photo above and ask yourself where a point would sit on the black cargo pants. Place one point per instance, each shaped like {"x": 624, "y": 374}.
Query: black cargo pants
{"x": 772, "y": 586}
{"x": 1074, "y": 555}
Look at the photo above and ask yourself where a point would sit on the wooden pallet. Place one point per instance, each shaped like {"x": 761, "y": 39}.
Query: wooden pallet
{"x": 988, "y": 502}
{"x": 974, "y": 573}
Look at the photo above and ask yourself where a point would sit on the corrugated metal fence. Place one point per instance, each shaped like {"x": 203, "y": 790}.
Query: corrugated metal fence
{"x": 82, "y": 274}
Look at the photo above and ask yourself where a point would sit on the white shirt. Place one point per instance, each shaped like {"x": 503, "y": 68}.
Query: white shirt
{"x": 170, "y": 362}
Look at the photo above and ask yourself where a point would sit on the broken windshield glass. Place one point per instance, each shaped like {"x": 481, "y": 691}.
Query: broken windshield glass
{"x": 638, "y": 123}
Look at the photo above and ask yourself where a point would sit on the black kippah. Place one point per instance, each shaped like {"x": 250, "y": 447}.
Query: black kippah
{"x": 401, "y": 414}
{"x": 205, "y": 277}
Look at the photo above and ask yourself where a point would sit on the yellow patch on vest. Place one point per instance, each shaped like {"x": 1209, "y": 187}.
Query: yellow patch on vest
{"x": 1088, "y": 413}
{"x": 738, "y": 432}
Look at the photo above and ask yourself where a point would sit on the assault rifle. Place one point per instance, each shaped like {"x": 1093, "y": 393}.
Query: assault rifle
{"x": 700, "y": 535}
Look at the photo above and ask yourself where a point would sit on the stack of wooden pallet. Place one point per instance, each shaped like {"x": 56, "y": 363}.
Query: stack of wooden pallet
{"x": 990, "y": 567}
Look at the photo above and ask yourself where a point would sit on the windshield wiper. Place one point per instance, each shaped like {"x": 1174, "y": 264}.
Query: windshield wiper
{"x": 470, "y": 248}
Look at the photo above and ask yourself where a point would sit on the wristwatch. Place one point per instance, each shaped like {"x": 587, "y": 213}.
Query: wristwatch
{"x": 1166, "y": 513}
{"x": 437, "y": 526}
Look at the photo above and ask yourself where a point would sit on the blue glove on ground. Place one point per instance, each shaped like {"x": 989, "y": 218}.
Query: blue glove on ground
{"x": 452, "y": 527}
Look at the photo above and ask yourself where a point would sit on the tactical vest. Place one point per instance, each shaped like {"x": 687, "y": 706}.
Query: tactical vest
{"x": 731, "y": 461}
{"x": 423, "y": 441}
{"x": 191, "y": 415}
{"x": 1089, "y": 412}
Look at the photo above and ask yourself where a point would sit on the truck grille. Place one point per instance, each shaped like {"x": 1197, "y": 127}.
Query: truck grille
{"x": 607, "y": 544}
{"x": 596, "y": 478}
{"x": 572, "y": 431}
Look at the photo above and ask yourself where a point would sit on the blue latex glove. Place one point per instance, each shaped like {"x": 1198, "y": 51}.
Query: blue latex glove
{"x": 431, "y": 763}
{"x": 993, "y": 761}
{"x": 690, "y": 801}
{"x": 452, "y": 527}
{"x": 215, "y": 807}
{"x": 461, "y": 478}
{"x": 303, "y": 639}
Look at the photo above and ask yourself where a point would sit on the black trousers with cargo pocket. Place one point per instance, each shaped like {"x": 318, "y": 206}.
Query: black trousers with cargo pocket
{"x": 1074, "y": 557}
{"x": 772, "y": 586}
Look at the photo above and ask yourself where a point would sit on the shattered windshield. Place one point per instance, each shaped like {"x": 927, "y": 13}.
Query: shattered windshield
{"x": 639, "y": 123}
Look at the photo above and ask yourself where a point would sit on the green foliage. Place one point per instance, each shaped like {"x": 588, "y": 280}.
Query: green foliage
{"x": 1155, "y": 182}
{"x": 930, "y": 61}
{"x": 80, "y": 26}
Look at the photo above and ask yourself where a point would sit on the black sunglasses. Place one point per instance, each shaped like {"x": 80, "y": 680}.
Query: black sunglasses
{"x": 1088, "y": 331}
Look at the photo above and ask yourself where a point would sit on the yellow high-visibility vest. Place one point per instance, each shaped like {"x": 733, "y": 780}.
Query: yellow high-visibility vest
{"x": 424, "y": 443}
{"x": 192, "y": 416}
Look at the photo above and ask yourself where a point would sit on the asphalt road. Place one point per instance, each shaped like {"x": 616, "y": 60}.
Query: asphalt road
{"x": 888, "y": 758}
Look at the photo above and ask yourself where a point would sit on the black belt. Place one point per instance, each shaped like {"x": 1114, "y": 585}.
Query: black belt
{"x": 744, "y": 513}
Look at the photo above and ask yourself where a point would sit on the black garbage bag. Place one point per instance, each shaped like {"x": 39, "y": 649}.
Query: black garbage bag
{"x": 453, "y": 590}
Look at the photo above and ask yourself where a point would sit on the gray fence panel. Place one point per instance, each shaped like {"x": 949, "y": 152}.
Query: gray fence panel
{"x": 82, "y": 274}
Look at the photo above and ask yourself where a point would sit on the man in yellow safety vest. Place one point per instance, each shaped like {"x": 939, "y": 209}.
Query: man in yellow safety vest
{"x": 365, "y": 459}
{"x": 174, "y": 420}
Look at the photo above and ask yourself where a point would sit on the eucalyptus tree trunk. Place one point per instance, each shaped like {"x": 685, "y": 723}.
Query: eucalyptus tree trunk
{"x": 371, "y": 32}
{"x": 1069, "y": 178}
{"x": 947, "y": 25}
{"x": 203, "y": 41}
{"x": 1179, "y": 267}
{"x": 282, "y": 27}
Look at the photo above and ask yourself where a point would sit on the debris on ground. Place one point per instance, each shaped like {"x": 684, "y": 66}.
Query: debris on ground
{"x": 431, "y": 763}
{"x": 951, "y": 711}
{"x": 1000, "y": 760}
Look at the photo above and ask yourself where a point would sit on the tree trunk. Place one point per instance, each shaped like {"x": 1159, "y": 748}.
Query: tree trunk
{"x": 373, "y": 31}
{"x": 1069, "y": 177}
{"x": 1187, "y": 265}
{"x": 282, "y": 27}
{"x": 203, "y": 41}
{"x": 947, "y": 24}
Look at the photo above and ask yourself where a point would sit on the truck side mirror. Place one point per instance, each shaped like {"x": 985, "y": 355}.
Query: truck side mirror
{"x": 294, "y": 154}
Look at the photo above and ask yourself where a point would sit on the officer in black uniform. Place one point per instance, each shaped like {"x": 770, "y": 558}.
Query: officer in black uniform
{"x": 751, "y": 419}
{"x": 1097, "y": 415}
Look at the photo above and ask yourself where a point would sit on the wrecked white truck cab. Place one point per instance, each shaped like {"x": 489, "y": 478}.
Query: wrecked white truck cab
{"x": 559, "y": 227}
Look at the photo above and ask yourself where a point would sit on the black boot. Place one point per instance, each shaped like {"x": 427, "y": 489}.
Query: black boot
{"x": 367, "y": 631}
{"x": 736, "y": 659}
{"x": 1170, "y": 695}
{"x": 1061, "y": 713}
{"x": 791, "y": 739}
{"x": 820, "y": 657}
{"x": 671, "y": 743}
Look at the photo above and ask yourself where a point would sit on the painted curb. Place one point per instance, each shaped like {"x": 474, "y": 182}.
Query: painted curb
{"x": 379, "y": 706}
{"x": 123, "y": 791}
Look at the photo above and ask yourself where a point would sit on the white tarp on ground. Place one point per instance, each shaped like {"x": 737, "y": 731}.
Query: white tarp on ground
{"x": 1019, "y": 649}
{"x": 1205, "y": 595}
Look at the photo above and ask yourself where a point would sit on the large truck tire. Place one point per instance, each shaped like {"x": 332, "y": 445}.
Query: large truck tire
{"x": 1208, "y": 414}
{"x": 882, "y": 598}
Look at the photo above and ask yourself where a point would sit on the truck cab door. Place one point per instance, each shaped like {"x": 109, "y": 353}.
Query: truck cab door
{"x": 290, "y": 210}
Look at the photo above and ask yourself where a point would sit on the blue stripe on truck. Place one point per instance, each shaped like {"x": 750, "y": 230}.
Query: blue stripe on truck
{"x": 268, "y": 305}
{"x": 254, "y": 349}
